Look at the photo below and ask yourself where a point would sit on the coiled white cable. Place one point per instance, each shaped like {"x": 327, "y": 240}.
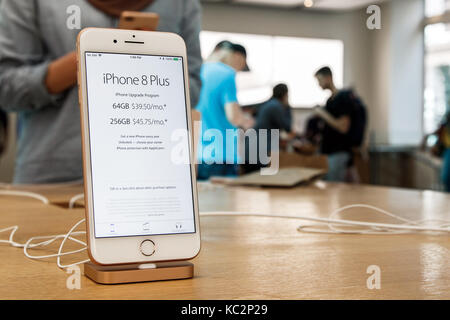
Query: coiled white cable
{"x": 67, "y": 236}
{"x": 378, "y": 228}
{"x": 48, "y": 239}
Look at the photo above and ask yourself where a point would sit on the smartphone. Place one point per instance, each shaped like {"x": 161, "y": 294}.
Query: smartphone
{"x": 135, "y": 20}
{"x": 140, "y": 198}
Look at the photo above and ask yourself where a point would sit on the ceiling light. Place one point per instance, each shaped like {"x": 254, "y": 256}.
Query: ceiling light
{"x": 308, "y": 3}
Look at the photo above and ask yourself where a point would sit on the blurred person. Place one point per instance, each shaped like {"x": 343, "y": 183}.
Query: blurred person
{"x": 274, "y": 114}
{"x": 220, "y": 51}
{"x": 442, "y": 149}
{"x": 345, "y": 120}
{"x": 220, "y": 111}
{"x": 38, "y": 74}
{"x": 314, "y": 129}
{"x": 308, "y": 143}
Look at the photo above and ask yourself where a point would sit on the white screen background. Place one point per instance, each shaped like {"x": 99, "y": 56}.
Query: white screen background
{"x": 137, "y": 189}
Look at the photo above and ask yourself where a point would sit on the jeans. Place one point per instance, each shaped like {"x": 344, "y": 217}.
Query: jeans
{"x": 206, "y": 171}
{"x": 337, "y": 166}
{"x": 445, "y": 174}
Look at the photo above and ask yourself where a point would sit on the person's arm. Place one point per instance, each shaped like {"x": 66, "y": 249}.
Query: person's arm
{"x": 288, "y": 121}
{"x": 22, "y": 66}
{"x": 62, "y": 73}
{"x": 287, "y": 113}
{"x": 284, "y": 120}
{"x": 237, "y": 117}
{"x": 232, "y": 109}
{"x": 190, "y": 30}
{"x": 341, "y": 124}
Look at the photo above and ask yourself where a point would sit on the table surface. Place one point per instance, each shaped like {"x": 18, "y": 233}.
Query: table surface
{"x": 252, "y": 257}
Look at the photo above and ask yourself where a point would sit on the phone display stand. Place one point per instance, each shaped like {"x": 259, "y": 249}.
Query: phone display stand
{"x": 139, "y": 272}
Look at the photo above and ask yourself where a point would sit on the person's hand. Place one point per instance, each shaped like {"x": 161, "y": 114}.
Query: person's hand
{"x": 318, "y": 111}
{"x": 291, "y": 135}
{"x": 304, "y": 147}
{"x": 343, "y": 124}
{"x": 62, "y": 73}
{"x": 248, "y": 122}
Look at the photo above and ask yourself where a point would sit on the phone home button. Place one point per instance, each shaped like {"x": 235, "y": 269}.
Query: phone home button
{"x": 147, "y": 247}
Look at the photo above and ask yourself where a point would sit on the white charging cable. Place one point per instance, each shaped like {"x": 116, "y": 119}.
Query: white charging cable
{"x": 74, "y": 200}
{"x": 68, "y": 236}
{"x": 56, "y": 185}
{"x": 28, "y": 194}
{"x": 47, "y": 240}
{"x": 407, "y": 226}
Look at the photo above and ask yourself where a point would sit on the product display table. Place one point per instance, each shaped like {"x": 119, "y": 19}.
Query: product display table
{"x": 251, "y": 257}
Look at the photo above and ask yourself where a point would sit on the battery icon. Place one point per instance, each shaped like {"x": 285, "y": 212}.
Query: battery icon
{"x": 175, "y": 59}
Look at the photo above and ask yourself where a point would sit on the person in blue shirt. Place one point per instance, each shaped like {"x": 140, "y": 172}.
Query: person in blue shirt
{"x": 220, "y": 111}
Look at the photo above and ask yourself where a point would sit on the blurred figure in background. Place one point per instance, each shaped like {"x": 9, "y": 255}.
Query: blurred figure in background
{"x": 308, "y": 143}
{"x": 442, "y": 149}
{"x": 220, "y": 51}
{"x": 38, "y": 74}
{"x": 345, "y": 121}
{"x": 273, "y": 114}
{"x": 221, "y": 111}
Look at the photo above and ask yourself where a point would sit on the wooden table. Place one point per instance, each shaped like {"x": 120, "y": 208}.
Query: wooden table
{"x": 253, "y": 257}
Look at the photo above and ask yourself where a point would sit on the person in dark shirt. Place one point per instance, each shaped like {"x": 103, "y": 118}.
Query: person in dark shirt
{"x": 336, "y": 141}
{"x": 274, "y": 114}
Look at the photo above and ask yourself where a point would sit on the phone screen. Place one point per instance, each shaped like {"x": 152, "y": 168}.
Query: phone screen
{"x": 137, "y": 122}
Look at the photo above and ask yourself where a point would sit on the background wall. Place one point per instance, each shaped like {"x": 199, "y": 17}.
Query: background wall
{"x": 397, "y": 74}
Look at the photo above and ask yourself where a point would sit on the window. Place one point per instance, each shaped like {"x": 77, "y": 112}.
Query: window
{"x": 436, "y": 7}
{"x": 281, "y": 59}
{"x": 437, "y": 66}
